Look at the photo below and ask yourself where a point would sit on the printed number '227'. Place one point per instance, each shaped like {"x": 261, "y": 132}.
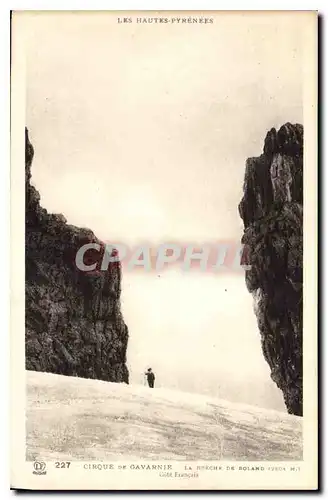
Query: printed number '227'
{"x": 62, "y": 465}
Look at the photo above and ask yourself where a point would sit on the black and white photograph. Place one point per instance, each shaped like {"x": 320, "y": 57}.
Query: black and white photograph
{"x": 166, "y": 290}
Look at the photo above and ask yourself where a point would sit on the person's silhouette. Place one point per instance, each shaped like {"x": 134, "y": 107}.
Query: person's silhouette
{"x": 150, "y": 377}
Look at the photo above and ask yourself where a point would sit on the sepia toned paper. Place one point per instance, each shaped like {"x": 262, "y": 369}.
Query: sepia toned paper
{"x": 142, "y": 126}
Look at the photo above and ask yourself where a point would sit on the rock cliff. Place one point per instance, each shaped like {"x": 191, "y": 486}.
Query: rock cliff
{"x": 74, "y": 325}
{"x": 272, "y": 211}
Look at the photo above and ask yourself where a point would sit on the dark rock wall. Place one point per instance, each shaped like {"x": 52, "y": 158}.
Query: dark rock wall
{"x": 272, "y": 211}
{"x": 74, "y": 325}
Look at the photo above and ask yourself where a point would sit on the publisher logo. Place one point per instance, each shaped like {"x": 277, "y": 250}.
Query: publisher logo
{"x": 39, "y": 468}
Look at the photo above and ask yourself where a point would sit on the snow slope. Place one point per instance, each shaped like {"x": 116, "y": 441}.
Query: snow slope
{"x": 69, "y": 418}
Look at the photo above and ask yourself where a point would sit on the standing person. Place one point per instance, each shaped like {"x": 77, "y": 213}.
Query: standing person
{"x": 150, "y": 377}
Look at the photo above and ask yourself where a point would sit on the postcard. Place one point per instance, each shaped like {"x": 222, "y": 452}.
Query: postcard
{"x": 163, "y": 276}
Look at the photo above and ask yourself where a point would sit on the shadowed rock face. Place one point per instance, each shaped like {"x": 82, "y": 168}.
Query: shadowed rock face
{"x": 74, "y": 325}
{"x": 272, "y": 211}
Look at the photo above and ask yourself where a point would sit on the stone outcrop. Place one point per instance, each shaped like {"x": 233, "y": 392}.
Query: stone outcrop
{"x": 74, "y": 324}
{"x": 272, "y": 211}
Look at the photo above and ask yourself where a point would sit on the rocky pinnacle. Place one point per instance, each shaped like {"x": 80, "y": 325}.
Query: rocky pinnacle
{"x": 272, "y": 211}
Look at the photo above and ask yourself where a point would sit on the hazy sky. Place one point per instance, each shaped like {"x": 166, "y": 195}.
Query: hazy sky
{"x": 141, "y": 132}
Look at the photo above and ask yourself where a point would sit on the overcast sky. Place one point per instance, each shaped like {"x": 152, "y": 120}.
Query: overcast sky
{"x": 141, "y": 133}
